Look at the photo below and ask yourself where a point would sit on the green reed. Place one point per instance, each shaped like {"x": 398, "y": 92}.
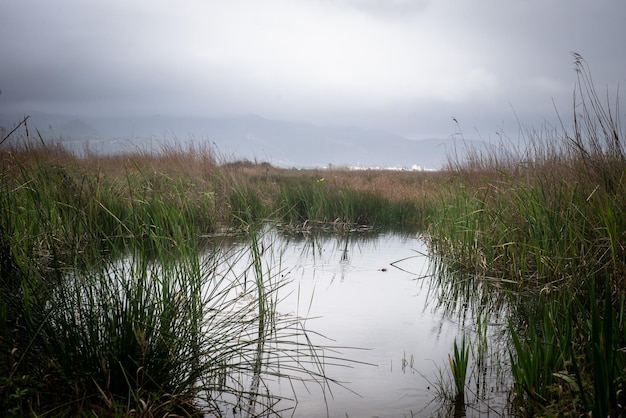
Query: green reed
{"x": 246, "y": 206}
{"x": 459, "y": 367}
{"x": 85, "y": 322}
{"x": 319, "y": 199}
{"x": 543, "y": 230}
{"x": 572, "y": 354}
{"x": 111, "y": 304}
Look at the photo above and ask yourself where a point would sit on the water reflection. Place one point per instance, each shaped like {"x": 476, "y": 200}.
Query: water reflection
{"x": 365, "y": 295}
{"x": 383, "y": 315}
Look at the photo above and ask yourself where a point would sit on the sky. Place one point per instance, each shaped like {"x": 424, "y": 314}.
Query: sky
{"x": 411, "y": 67}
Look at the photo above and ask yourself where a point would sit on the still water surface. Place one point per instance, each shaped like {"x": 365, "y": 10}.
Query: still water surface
{"x": 367, "y": 293}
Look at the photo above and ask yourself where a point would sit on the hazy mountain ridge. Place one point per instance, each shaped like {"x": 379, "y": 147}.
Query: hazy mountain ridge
{"x": 282, "y": 143}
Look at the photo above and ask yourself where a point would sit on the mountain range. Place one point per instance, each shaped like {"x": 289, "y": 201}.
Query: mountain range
{"x": 281, "y": 143}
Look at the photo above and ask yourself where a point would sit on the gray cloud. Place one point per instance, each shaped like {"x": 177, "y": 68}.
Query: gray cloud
{"x": 406, "y": 66}
{"x": 385, "y": 9}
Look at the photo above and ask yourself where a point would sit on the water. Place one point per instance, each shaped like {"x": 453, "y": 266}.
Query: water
{"x": 368, "y": 294}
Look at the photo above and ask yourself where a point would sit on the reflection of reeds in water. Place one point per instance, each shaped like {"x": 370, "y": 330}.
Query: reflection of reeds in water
{"x": 266, "y": 310}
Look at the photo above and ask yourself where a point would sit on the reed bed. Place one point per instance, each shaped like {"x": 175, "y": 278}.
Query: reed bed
{"x": 537, "y": 231}
{"x": 116, "y": 301}
{"x": 341, "y": 197}
{"x": 118, "y": 296}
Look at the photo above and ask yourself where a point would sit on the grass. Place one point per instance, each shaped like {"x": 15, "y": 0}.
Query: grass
{"x": 538, "y": 233}
{"x": 152, "y": 330}
{"x": 458, "y": 367}
{"x": 112, "y": 302}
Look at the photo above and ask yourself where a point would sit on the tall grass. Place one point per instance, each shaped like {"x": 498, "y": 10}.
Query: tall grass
{"x": 331, "y": 200}
{"x": 111, "y": 304}
{"x": 542, "y": 226}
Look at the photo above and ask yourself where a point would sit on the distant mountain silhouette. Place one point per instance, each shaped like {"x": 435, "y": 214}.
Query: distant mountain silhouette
{"x": 77, "y": 130}
{"x": 281, "y": 143}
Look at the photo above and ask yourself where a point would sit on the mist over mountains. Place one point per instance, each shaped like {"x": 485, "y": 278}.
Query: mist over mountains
{"x": 281, "y": 143}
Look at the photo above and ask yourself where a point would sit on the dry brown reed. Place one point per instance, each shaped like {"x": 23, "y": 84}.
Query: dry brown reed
{"x": 394, "y": 185}
{"x": 192, "y": 161}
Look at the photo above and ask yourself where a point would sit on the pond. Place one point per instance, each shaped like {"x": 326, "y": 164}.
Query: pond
{"x": 371, "y": 296}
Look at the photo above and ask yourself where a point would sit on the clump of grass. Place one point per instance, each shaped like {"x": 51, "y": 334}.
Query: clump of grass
{"x": 246, "y": 206}
{"x": 536, "y": 360}
{"x": 458, "y": 367}
{"x": 573, "y": 351}
{"x": 329, "y": 200}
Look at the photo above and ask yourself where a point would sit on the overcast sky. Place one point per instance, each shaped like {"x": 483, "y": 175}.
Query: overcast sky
{"x": 407, "y": 66}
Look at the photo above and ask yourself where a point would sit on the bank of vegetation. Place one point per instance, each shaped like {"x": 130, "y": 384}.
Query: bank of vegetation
{"x": 115, "y": 299}
{"x": 538, "y": 233}
{"x": 119, "y": 294}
